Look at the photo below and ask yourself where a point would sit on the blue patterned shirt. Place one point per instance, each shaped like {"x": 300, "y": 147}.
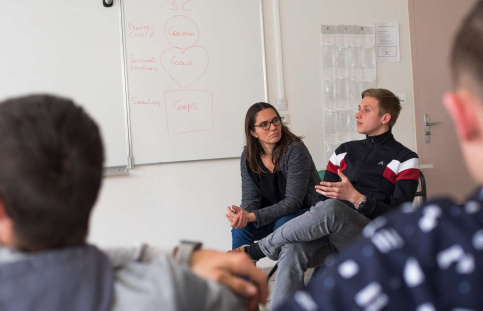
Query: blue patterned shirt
{"x": 423, "y": 259}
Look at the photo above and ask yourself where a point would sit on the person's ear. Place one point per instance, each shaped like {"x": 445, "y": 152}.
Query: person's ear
{"x": 3, "y": 212}
{"x": 6, "y": 226}
{"x": 461, "y": 107}
{"x": 254, "y": 134}
{"x": 386, "y": 118}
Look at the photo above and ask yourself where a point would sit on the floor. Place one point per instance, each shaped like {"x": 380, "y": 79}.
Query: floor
{"x": 267, "y": 269}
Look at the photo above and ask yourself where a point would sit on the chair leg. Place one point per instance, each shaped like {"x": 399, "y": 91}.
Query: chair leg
{"x": 272, "y": 272}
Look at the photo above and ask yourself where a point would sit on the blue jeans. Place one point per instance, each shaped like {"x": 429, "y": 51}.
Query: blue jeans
{"x": 250, "y": 233}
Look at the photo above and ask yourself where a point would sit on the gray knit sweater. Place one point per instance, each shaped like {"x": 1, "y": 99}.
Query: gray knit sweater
{"x": 299, "y": 169}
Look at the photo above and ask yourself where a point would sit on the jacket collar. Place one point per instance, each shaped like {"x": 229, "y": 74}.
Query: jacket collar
{"x": 380, "y": 139}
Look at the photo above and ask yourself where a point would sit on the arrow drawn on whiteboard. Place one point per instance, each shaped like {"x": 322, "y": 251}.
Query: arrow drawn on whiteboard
{"x": 185, "y": 66}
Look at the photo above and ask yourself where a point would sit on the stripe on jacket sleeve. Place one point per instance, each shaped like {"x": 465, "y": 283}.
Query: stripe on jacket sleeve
{"x": 336, "y": 162}
{"x": 389, "y": 174}
{"x": 411, "y": 163}
{"x": 409, "y": 169}
{"x": 396, "y": 170}
{"x": 410, "y": 173}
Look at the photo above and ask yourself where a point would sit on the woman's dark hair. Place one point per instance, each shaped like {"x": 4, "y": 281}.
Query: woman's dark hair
{"x": 254, "y": 149}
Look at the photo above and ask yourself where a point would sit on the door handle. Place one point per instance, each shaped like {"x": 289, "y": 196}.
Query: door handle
{"x": 427, "y": 128}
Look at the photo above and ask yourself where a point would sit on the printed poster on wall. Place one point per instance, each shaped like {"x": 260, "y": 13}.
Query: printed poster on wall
{"x": 387, "y": 43}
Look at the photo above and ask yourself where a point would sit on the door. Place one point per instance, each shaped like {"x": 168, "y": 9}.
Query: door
{"x": 433, "y": 24}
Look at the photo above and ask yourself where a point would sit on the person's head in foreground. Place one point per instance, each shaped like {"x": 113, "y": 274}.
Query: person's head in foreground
{"x": 51, "y": 158}
{"x": 465, "y": 102}
{"x": 50, "y": 172}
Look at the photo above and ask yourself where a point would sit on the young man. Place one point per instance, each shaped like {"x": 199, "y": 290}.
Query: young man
{"x": 364, "y": 179}
{"x": 50, "y": 173}
{"x": 430, "y": 258}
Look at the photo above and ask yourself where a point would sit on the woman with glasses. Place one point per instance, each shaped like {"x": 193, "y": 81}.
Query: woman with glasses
{"x": 278, "y": 177}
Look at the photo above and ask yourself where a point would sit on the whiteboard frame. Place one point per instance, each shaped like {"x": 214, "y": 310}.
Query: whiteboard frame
{"x": 127, "y": 111}
{"x": 131, "y": 165}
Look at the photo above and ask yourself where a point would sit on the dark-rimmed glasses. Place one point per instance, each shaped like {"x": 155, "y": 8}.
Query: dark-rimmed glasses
{"x": 265, "y": 125}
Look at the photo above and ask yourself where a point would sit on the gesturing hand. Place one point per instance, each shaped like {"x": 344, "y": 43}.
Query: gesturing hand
{"x": 342, "y": 190}
{"x": 224, "y": 269}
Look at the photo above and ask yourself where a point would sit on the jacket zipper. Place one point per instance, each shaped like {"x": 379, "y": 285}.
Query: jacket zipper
{"x": 366, "y": 157}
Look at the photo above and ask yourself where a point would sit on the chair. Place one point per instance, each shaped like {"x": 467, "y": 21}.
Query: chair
{"x": 422, "y": 183}
{"x": 421, "y": 193}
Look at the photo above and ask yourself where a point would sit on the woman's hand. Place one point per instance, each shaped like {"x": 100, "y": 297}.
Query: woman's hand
{"x": 342, "y": 190}
{"x": 239, "y": 217}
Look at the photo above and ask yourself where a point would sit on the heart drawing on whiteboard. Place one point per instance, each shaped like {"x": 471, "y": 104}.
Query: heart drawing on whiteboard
{"x": 185, "y": 66}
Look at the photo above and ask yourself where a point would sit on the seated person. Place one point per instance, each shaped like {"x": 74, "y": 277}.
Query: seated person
{"x": 278, "y": 177}
{"x": 429, "y": 258}
{"x": 364, "y": 179}
{"x": 50, "y": 173}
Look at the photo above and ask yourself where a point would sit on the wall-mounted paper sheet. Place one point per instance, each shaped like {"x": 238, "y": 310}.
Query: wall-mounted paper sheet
{"x": 387, "y": 43}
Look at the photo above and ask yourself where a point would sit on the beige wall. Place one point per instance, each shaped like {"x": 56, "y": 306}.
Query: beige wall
{"x": 161, "y": 204}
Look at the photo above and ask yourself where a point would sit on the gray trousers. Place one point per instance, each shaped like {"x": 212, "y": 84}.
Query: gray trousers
{"x": 303, "y": 243}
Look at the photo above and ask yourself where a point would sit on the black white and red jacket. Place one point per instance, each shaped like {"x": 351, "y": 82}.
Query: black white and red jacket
{"x": 380, "y": 168}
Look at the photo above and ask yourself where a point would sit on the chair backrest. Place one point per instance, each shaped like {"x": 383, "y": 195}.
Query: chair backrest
{"x": 422, "y": 183}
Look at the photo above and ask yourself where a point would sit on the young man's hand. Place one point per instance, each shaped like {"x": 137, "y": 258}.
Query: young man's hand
{"x": 342, "y": 190}
{"x": 227, "y": 269}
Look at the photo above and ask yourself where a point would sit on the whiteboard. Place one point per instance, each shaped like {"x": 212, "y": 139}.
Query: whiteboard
{"x": 69, "y": 48}
{"x": 193, "y": 69}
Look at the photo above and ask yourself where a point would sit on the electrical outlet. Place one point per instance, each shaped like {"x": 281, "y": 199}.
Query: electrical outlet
{"x": 282, "y": 105}
{"x": 285, "y": 119}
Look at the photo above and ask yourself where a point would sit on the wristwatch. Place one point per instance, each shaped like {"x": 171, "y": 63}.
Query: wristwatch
{"x": 361, "y": 203}
{"x": 182, "y": 253}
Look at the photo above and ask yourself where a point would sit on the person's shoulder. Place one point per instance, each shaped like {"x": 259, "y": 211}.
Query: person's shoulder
{"x": 428, "y": 238}
{"x": 297, "y": 144}
{"x": 404, "y": 152}
{"x": 349, "y": 145}
{"x": 296, "y": 147}
{"x": 243, "y": 155}
{"x": 421, "y": 231}
{"x": 296, "y": 152}
{"x": 436, "y": 217}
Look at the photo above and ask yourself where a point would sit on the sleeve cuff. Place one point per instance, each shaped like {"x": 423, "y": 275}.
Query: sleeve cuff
{"x": 257, "y": 223}
{"x": 368, "y": 207}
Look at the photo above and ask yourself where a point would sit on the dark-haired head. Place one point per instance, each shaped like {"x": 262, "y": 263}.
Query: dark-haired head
{"x": 50, "y": 170}
{"x": 253, "y": 146}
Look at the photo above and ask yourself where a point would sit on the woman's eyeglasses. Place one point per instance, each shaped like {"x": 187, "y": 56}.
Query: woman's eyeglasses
{"x": 266, "y": 124}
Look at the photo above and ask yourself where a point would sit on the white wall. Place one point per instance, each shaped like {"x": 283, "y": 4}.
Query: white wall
{"x": 301, "y": 22}
{"x": 161, "y": 204}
